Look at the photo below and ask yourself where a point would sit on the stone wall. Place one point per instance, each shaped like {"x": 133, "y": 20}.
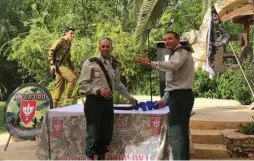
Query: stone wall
{"x": 238, "y": 144}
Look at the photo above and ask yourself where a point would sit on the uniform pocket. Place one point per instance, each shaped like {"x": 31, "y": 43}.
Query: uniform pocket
{"x": 169, "y": 76}
{"x": 63, "y": 49}
{"x": 96, "y": 73}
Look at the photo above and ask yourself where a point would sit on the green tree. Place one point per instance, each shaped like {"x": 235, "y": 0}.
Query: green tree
{"x": 13, "y": 13}
{"x": 149, "y": 13}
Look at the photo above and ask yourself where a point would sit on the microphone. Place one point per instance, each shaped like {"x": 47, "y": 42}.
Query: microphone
{"x": 171, "y": 22}
{"x": 165, "y": 24}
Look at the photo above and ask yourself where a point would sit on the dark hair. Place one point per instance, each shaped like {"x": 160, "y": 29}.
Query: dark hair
{"x": 105, "y": 38}
{"x": 177, "y": 36}
{"x": 67, "y": 29}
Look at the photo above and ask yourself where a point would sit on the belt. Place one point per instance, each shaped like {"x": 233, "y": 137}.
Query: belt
{"x": 97, "y": 97}
{"x": 180, "y": 90}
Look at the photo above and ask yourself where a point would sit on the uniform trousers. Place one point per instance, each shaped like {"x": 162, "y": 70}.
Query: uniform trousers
{"x": 180, "y": 103}
{"x": 63, "y": 74}
{"x": 99, "y": 115}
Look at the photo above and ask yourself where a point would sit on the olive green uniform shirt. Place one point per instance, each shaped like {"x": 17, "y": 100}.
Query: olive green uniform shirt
{"x": 61, "y": 51}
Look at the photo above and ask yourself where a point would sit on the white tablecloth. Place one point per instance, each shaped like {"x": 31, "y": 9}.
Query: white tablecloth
{"x": 78, "y": 109}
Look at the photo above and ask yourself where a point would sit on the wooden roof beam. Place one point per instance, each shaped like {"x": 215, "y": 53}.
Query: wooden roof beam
{"x": 232, "y": 5}
{"x": 237, "y": 12}
{"x": 243, "y": 20}
{"x": 250, "y": 12}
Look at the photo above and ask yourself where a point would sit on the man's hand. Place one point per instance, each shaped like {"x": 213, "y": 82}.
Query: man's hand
{"x": 52, "y": 68}
{"x": 143, "y": 61}
{"x": 160, "y": 103}
{"x": 105, "y": 93}
{"x": 75, "y": 71}
{"x": 133, "y": 100}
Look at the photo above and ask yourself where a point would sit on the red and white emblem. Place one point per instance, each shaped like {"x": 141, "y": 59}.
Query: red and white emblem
{"x": 155, "y": 122}
{"x": 27, "y": 111}
{"x": 57, "y": 126}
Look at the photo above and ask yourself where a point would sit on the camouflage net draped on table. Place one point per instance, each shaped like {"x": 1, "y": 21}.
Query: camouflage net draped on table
{"x": 135, "y": 137}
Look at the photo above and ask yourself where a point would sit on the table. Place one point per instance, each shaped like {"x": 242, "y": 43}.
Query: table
{"x": 137, "y": 135}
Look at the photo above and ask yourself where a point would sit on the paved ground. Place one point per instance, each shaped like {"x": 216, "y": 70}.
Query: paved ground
{"x": 206, "y": 110}
{"x": 221, "y": 110}
{"x": 24, "y": 150}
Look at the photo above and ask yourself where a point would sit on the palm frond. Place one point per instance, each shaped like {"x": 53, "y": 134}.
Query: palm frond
{"x": 136, "y": 6}
{"x": 150, "y": 13}
{"x": 205, "y": 5}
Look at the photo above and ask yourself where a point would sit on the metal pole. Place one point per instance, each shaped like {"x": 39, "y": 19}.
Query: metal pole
{"x": 242, "y": 70}
{"x": 148, "y": 48}
{"x": 7, "y": 143}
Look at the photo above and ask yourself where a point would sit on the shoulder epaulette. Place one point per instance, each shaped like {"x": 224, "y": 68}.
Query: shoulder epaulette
{"x": 186, "y": 48}
{"x": 93, "y": 59}
{"x": 182, "y": 48}
{"x": 62, "y": 39}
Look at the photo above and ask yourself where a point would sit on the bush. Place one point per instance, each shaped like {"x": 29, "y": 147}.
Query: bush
{"x": 247, "y": 129}
{"x": 118, "y": 99}
{"x": 229, "y": 85}
{"x": 139, "y": 84}
{"x": 12, "y": 75}
{"x": 243, "y": 95}
{"x": 2, "y": 128}
{"x": 204, "y": 86}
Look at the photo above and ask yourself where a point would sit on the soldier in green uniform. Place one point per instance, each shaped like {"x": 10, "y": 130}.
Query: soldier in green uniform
{"x": 178, "y": 92}
{"x": 59, "y": 57}
{"x": 98, "y": 85}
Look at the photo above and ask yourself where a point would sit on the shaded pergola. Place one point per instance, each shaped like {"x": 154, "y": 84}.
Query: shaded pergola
{"x": 240, "y": 12}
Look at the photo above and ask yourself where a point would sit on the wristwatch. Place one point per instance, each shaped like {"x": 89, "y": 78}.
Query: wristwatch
{"x": 98, "y": 92}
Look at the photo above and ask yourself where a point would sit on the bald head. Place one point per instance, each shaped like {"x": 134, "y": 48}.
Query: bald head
{"x": 105, "y": 48}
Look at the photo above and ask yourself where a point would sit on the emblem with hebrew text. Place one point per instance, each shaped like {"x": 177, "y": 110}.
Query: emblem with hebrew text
{"x": 25, "y": 110}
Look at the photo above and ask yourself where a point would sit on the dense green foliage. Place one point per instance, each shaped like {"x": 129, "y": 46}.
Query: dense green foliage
{"x": 247, "y": 129}
{"x": 2, "y": 128}
{"x": 12, "y": 74}
{"x": 229, "y": 85}
{"x": 29, "y": 27}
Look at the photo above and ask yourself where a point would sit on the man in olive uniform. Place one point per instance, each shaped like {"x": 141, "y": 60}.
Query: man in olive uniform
{"x": 98, "y": 85}
{"x": 178, "y": 92}
{"x": 59, "y": 57}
